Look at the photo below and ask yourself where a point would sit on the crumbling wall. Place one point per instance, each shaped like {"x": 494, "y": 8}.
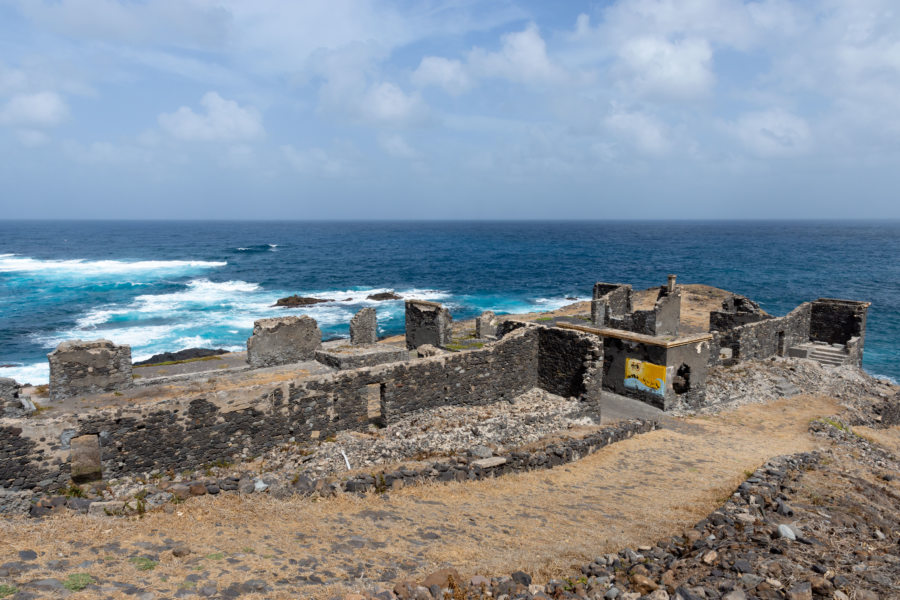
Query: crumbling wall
{"x": 9, "y": 397}
{"x": 193, "y": 432}
{"x": 687, "y": 370}
{"x": 80, "y": 367}
{"x": 663, "y": 319}
{"x": 564, "y": 357}
{"x": 283, "y": 340}
{"x": 736, "y": 311}
{"x": 762, "y": 339}
{"x": 610, "y": 300}
{"x": 486, "y": 325}
{"x": 427, "y": 323}
{"x": 364, "y": 327}
{"x": 837, "y": 321}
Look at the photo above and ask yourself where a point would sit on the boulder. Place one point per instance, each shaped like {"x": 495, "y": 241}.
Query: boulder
{"x": 382, "y": 296}
{"x": 186, "y": 354}
{"x": 295, "y": 300}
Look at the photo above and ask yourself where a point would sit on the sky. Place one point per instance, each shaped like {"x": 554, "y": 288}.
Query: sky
{"x": 357, "y": 109}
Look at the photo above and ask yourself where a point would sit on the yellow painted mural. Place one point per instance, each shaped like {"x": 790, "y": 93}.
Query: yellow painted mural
{"x": 644, "y": 376}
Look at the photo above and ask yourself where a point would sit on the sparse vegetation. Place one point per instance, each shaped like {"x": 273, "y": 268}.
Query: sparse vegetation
{"x": 7, "y": 590}
{"x": 74, "y": 491}
{"x": 142, "y": 563}
{"x": 77, "y": 581}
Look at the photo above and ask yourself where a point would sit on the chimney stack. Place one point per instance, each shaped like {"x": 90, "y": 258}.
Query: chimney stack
{"x": 672, "y": 283}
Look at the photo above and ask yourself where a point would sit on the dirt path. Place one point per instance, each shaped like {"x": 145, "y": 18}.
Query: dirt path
{"x": 544, "y": 522}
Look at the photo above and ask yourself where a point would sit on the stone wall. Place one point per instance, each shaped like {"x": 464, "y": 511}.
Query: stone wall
{"x": 610, "y": 300}
{"x": 364, "y": 327}
{"x": 283, "y": 340}
{"x": 736, "y": 311}
{"x": 616, "y": 352}
{"x": 688, "y": 366}
{"x": 9, "y": 397}
{"x": 193, "y": 432}
{"x": 427, "y": 323}
{"x": 763, "y": 339}
{"x": 837, "y": 321}
{"x": 25, "y": 465}
{"x": 663, "y": 319}
{"x": 486, "y": 325}
{"x": 89, "y": 367}
{"x": 564, "y": 357}
{"x": 498, "y": 371}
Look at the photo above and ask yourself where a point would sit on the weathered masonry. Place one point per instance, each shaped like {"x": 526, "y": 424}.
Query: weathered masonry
{"x": 194, "y": 431}
{"x": 636, "y": 353}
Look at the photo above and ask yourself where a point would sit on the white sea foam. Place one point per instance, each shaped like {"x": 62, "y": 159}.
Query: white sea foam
{"x": 35, "y": 373}
{"x": 10, "y": 263}
{"x": 887, "y": 378}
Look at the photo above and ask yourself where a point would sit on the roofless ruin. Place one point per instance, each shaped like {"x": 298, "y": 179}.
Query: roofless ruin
{"x": 117, "y": 424}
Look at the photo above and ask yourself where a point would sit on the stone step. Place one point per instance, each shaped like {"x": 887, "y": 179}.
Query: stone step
{"x": 831, "y": 351}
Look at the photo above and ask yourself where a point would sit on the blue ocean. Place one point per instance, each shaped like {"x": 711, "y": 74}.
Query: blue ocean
{"x": 164, "y": 286}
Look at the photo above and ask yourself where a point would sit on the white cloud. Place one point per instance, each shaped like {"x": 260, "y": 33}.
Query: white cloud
{"x": 657, "y": 67}
{"x": 522, "y": 58}
{"x": 42, "y": 109}
{"x": 442, "y": 72}
{"x": 772, "y": 133}
{"x": 387, "y": 103}
{"x": 222, "y": 120}
{"x": 396, "y": 146}
{"x": 639, "y": 130}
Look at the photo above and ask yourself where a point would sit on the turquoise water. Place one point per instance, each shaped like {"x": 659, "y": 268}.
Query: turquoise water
{"x": 170, "y": 285}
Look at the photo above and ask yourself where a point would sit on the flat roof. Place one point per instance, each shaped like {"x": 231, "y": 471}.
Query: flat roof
{"x": 653, "y": 340}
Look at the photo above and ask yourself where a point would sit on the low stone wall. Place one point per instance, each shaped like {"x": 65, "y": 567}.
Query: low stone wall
{"x": 89, "y": 367}
{"x": 189, "y": 433}
{"x": 467, "y": 468}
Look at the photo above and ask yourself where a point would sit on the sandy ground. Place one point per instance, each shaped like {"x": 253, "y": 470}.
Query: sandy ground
{"x": 544, "y": 522}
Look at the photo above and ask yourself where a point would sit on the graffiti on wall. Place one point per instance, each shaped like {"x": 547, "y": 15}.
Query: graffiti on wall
{"x": 644, "y": 376}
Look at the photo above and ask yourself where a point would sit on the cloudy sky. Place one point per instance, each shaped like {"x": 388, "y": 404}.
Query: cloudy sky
{"x": 620, "y": 109}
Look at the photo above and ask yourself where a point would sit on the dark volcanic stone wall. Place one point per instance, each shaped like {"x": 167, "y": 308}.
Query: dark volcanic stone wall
{"x": 503, "y": 370}
{"x": 764, "y": 338}
{"x": 836, "y": 321}
{"x": 192, "y": 433}
{"x": 562, "y": 358}
{"x": 23, "y": 466}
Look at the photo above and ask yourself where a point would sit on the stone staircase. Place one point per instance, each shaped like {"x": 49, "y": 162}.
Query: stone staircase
{"x": 824, "y": 354}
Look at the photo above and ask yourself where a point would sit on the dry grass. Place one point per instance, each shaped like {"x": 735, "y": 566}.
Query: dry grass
{"x": 888, "y": 438}
{"x": 545, "y": 522}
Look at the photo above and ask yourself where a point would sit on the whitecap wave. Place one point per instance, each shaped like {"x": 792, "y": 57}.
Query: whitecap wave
{"x": 11, "y": 263}
{"x": 35, "y": 373}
